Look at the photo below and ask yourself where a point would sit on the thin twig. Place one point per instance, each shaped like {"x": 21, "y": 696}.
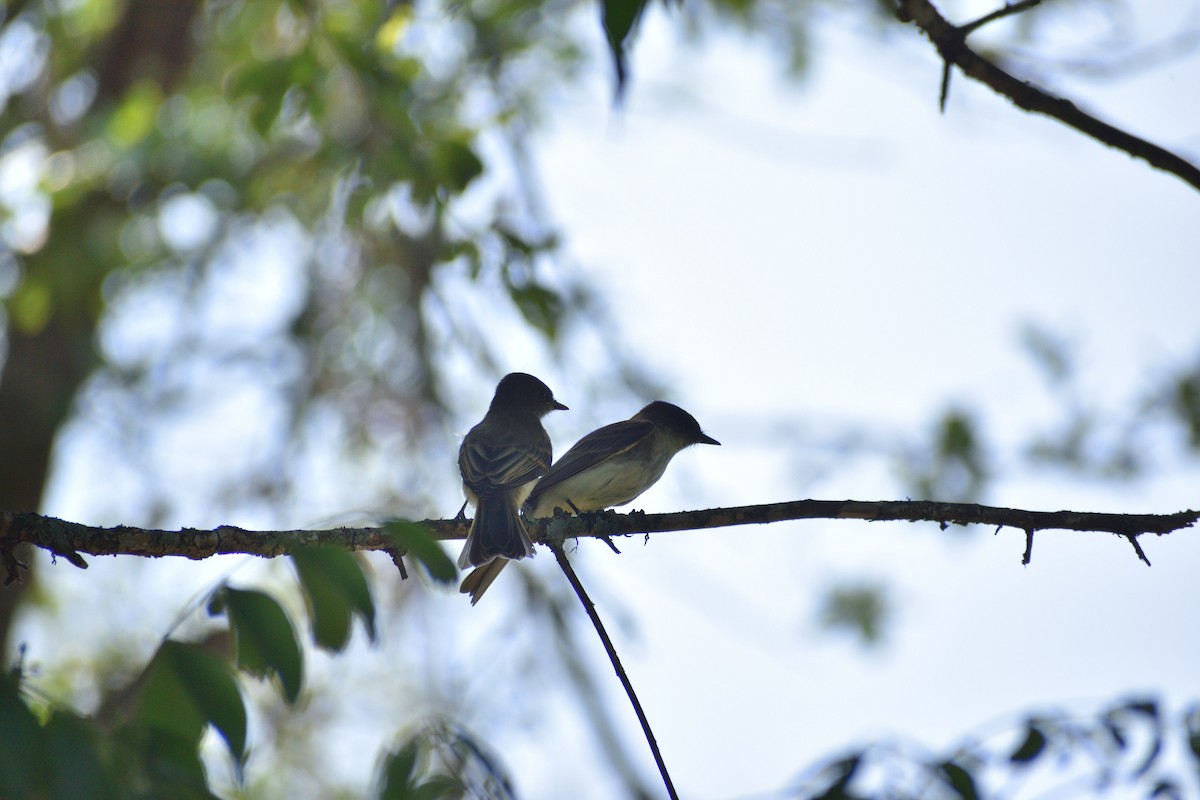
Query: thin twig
{"x": 590, "y": 608}
{"x": 1008, "y": 9}
{"x": 1137, "y": 548}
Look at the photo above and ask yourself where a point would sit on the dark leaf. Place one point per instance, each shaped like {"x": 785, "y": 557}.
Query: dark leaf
{"x": 620, "y": 19}
{"x": 78, "y": 768}
{"x": 1148, "y": 708}
{"x": 1031, "y": 748}
{"x": 541, "y": 307}
{"x": 439, "y": 787}
{"x": 266, "y": 640}
{"x": 25, "y": 767}
{"x": 1166, "y": 789}
{"x": 1116, "y": 732}
{"x": 399, "y": 773}
{"x": 846, "y": 770}
{"x": 403, "y": 777}
{"x": 456, "y": 164}
{"x": 960, "y": 780}
{"x": 861, "y": 610}
{"x": 1191, "y": 724}
{"x": 187, "y": 689}
{"x": 336, "y": 590}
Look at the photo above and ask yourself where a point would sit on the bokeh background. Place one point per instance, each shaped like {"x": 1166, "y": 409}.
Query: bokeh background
{"x": 264, "y": 263}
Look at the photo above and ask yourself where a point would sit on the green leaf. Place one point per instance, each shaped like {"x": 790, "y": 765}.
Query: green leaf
{"x": 846, "y": 769}
{"x": 402, "y": 777}
{"x": 31, "y": 306}
{"x": 336, "y": 590}
{"x": 541, "y": 307}
{"x": 415, "y": 540}
{"x": 399, "y": 772}
{"x": 25, "y": 768}
{"x": 78, "y": 769}
{"x": 1191, "y": 723}
{"x": 456, "y": 164}
{"x": 266, "y": 640}
{"x": 961, "y": 781}
{"x": 861, "y": 610}
{"x": 134, "y": 119}
{"x": 1031, "y": 747}
{"x": 188, "y": 689}
{"x": 620, "y": 19}
{"x": 169, "y": 765}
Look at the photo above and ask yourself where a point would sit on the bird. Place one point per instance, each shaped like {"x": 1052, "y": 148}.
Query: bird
{"x": 611, "y": 466}
{"x": 500, "y": 460}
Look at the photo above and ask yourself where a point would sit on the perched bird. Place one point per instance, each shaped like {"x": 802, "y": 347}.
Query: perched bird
{"x": 500, "y": 460}
{"x": 609, "y": 467}
{"x": 613, "y": 465}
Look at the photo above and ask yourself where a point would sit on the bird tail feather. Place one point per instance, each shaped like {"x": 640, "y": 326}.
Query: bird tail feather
{"x": 496, "y": 532}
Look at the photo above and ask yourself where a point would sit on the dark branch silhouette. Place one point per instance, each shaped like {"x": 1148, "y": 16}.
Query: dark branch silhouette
{"x": 951, "y": 43}
{"x": 70, "y": 539}
{"x": 590, "y": 608}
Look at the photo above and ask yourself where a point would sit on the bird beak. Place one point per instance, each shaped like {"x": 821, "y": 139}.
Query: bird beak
{"x": 560, "y": 406}
{"x": 704, "y": 438}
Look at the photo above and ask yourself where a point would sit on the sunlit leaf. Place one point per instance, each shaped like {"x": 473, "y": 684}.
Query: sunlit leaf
{"x": 336, "y": 591}
{"x": 134, "y": 119}
{"x": 30, "y": 306}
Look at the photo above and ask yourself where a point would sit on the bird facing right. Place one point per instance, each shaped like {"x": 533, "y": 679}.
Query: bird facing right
{"x": 613, "y": 465}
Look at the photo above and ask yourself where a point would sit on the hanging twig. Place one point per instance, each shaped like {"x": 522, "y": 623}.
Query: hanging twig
{"x": 590, "y": 608}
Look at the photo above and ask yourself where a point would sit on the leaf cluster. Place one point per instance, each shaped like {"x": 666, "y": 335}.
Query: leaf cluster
{"x": 1131, "y": 746}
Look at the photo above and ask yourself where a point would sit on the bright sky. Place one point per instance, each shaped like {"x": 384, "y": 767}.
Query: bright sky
{"x": 839, "y": 251}
{"x": 822, "y": 254}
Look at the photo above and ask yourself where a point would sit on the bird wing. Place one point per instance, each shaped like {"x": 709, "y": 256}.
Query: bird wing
{"x": 595, "y": 448}
{"x": 493, "y": 464}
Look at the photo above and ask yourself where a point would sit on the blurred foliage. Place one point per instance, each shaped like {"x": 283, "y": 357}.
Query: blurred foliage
{"x": 1133, "y": 748}
{"x": 861, "y": 610}
{"x": 953, "y": 465}
{"x": 441, "y": 759}
{"x": 145, "y": 741}
{"x": 381, "y": 143}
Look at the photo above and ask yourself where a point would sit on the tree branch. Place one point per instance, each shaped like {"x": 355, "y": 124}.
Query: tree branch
{"x": 951, "y": 43}
{"x": 69, "y": 539}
